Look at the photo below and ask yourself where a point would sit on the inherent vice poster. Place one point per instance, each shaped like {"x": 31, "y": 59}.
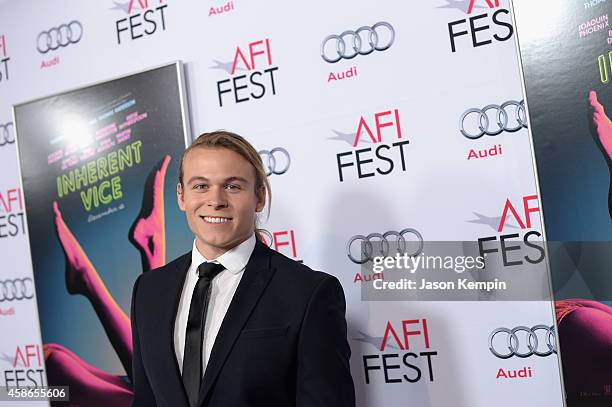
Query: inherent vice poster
{"x": 99, "y": 168}
{"x": 566, "y": 55}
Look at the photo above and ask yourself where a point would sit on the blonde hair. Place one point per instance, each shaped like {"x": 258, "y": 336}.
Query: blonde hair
{"x": 238, "y": 144}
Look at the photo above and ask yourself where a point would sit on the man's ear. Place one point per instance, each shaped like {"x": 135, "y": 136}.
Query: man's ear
{"x": 261, "y": 198}
{"x": 179, "y": 196}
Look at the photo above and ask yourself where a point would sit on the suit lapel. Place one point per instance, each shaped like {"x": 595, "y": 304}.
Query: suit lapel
{"x": 176, "y": 280}
{"x": 256, "y": 276}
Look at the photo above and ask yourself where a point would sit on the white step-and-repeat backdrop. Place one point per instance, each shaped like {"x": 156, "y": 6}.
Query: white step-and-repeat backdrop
{"x": 373, "y": 117}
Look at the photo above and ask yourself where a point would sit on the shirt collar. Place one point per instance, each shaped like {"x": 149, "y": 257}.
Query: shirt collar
{"x": 234, "y": 260}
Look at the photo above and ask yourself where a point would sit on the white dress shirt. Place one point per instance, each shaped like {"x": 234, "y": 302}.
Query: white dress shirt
{"x": 223, "y": 288}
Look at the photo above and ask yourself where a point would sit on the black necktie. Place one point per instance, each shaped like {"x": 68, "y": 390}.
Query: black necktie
{"x": 192, "y": 358}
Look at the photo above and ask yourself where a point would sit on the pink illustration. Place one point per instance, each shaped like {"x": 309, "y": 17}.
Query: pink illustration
{"x": 89, "y": 385}
{"x": 601, "y": 124}
{"x": 585, "y": 326}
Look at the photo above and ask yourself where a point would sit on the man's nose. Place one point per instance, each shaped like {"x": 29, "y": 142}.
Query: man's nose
{"x": 217, "y": 198}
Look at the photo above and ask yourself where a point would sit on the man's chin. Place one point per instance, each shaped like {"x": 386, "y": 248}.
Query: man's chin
{"x": 217, "y": 244}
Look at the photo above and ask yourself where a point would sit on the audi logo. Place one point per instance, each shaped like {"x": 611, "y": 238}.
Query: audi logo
{"x": 274, "y": 162}
{"x": 17, "y": 289}
{"x": 367, "y": 247}
{"x": 539, "y": 340}
{"x": 6, "y": 136}
{"x": 509, "y": 116}
{"x": 61, "y": 36}
{"x": 357, "y": 45}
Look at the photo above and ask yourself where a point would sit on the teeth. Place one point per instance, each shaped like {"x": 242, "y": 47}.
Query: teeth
{"x": 215, "y": 220}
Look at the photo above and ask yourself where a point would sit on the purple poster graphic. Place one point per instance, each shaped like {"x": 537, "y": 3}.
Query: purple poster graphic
{"x": 99, "y": 167}
{"x": 566, "y": 56}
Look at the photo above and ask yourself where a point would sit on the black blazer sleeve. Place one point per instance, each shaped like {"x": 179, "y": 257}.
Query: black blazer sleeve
{"x": 143, "y": 394}
{"x": 323, "y": 376}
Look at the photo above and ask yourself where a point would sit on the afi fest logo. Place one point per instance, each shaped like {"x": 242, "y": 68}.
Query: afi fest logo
{"x": 254, "y": 58}
{"x": 403, "y": 355}
{"x": 145, "y": 19}
{"x": 4, "y": 59}
{"x": 283, "y": 241}
{"x": 384, "y": 151}
{"x": 494, "y": 25}
{"x": 521, "y": 212}
{"x": 26, "y": 367}
{"x": 12, "y": 222}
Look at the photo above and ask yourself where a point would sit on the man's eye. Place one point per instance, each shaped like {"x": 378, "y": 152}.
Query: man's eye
{"x": 200, "y": 186}
{"x": 232, "y": 187}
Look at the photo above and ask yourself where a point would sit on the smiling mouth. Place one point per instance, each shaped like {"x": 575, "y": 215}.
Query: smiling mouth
{"x": 215, "y": 219}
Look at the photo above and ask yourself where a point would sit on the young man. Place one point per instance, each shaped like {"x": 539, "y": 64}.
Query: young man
{"x": 234, "y": 323}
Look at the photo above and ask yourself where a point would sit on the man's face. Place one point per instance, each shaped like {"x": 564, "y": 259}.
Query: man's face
{"x": 219, "y": 199}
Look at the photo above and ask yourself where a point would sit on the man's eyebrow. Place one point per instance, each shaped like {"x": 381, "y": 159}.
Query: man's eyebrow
{"x": 236, "y": 178}
{"x": 229, "y": 179}
{"x": 197, "y": 178}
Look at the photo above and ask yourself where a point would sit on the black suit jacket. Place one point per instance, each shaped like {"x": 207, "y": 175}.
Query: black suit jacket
{"x": 282, "y": 342}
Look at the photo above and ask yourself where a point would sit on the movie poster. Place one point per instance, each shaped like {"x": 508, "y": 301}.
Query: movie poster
{"x": 566, "y": 57}
{"x": 99, "y": 167}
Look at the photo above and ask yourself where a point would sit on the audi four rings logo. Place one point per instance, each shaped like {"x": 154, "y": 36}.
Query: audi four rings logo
{"x": 509, "y": 116}
{"x": 357, "y": 45}
{"x": 61, "y": 36}
{"x": 274, "y": 162}
{"x": 539, "y": 340}
{"x": 17, "y": 289}
{"x": 367, "y": 247}
{"x": 6, "y": 136}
